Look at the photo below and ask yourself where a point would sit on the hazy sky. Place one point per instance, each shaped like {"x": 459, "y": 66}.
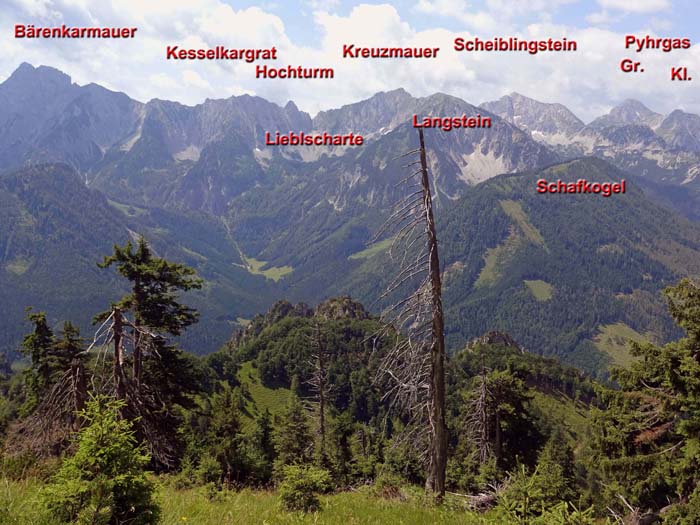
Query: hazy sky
{"x": 312, "y": 32}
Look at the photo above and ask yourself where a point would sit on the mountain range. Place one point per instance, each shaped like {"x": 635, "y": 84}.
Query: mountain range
{"x": 82, "y": 167}
{"x": 664, "y": 149}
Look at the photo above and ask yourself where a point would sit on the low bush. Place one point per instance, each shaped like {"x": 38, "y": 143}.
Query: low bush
{"x": 301, "y": 486}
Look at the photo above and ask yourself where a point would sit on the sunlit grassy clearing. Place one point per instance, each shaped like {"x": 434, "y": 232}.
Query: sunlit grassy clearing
{"x": 275, "y": 273}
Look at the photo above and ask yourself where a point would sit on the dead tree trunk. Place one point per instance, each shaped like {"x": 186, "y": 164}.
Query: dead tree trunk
{"x": 118, "y": 373}
{"x": 438, "y": 438}
{"x": 478, "y": 421}
{"x": 138, "y": 357}
{"x": 319, "y": 383}
{"x": 79, "y": 388}
{"x": 415, "y": 367}
{"x": 138, "y": 342}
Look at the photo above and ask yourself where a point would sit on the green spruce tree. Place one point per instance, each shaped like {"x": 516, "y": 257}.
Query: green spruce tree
{"x": 292, "y": 437}
{"x": 104, "y": 482}
{"x": 37, "y": 345}
{"x": 647, "y": 442}
{"x": 153, "y": 300}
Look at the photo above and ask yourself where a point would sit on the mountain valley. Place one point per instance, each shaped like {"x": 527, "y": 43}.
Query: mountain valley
{"x": 83, "y": 168}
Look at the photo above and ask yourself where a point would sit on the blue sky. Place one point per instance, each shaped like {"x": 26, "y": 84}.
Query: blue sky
{"x": 311, "y": 33}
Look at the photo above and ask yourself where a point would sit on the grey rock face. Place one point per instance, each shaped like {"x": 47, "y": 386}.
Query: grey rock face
{"x": 549, "y": 122}
{"x": 45, "y": 117}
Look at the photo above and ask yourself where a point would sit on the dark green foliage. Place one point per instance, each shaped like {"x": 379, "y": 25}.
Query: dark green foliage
{"x": 224, "y": 436}
{"x": 638, "y": 441}
{"x": 261, "y": 449}
{"x": 37, "y": 346}
{"x": 104, "y": 482}
{"x": 687, "y": 513}
{"x": 169, "y": 375}
{"x": 50, "y": 358}
{"x": 576, "y": 257}
{"x": 605, "y": 258}
{"x": 292, "y": 436}
{"x": 279, "y": 345}
{"x": 154, "y": 282}
{"x": 53, "y": 229}
{"x": 214, "y": 438}
{"x": 68, "y": 347}
{"x": 218, "y": 450}
{"x": 556, "y": 470}
{"x": 340, "y": 454}
{"x": 513, "y": 433}
{"x": 175, "y": 374}
{"x": 646, "y": 442}
{"x": 300, "y": 487}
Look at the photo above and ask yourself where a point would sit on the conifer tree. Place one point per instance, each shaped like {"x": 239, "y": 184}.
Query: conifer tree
{"x": 225, "y": 433}
{"x": 263, "y": 435}
{"x": 162, "y": 375}
{"x": 104, "y": 482}
{"x": 555, "y": 467}
{"x": 67, "y": 348}
{"x": 153, "y": 297}
{"x": 647, "y": 441}
{"x": 262, "y": 447}
{"x": 292, "y": 437}
{"x": 37, "y": 346}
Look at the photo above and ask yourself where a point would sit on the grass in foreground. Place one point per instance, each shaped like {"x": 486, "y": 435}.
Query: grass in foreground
{"x": 20, "y": 504}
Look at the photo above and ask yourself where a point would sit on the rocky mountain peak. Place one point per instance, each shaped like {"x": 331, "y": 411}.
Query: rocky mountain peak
{"x": 681, "y": 130}
{"x": 375, "y": 115}
{"x": 41, "y": 74}
{"x": 548, "y": 122}
{"x": 494, "y": 338}
{"x": 628, "y": 112}
{"x": 341, "y": 308}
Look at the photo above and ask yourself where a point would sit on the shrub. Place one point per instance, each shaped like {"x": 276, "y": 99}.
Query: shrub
{"x": 388, "y": 486}
{"x": 26, "y": 465}
{"x": 209, "y": 470}
{"x": 523, "y": 497}
{"x": 301, "y": 486}
{"x": 104, "y": 482}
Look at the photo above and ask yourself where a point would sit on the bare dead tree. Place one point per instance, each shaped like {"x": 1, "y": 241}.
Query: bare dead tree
{"x": 143, "y": 402}
{"x": 319, "y": 385}
{"x": 415, "y": 365}
{"x": 78, "y": 387}
{"x": 117, "y": 331}
{"x": 48, "y": 430}
{"x": 478, "y": 423}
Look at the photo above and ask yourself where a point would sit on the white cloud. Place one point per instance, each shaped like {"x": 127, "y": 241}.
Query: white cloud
{"x": 635, "y": 6}
{"x": 192, "y": 78}
{"x": 38, "y": 8}
{"x": 516, "y": 7}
